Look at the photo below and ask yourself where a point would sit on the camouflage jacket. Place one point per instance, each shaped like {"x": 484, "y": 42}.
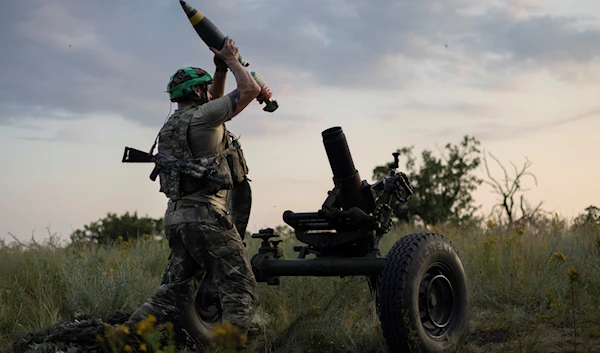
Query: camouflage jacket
{"x": 228, "y": 165}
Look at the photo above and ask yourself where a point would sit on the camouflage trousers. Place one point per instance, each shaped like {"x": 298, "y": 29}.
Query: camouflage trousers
{"x": 203, "y": 242}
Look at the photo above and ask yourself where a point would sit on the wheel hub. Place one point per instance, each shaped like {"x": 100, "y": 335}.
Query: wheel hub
{"x": 436, "y": 301}
{"x": 439, "y": 286}
{"x": 208, "y": 304}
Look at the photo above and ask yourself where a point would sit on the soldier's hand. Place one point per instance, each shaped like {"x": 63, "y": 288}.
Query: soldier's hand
{"x": 229, "y": 51}
{"x": 220, "y": 64}
{"x": 265, "y": 93}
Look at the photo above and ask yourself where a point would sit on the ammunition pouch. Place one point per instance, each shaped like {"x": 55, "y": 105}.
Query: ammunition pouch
{"x": 230, "y": 166}
{"x": 237, "y": 164}
{"x": 220, "y": 169}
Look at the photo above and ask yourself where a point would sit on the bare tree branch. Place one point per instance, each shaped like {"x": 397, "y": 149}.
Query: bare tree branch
{"x": 512, "y": 187}
{"x": 18, "y": 241}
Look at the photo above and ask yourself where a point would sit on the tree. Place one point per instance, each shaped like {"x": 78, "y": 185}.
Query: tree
{"x": 442, "y": 186}
{"x": 284, "y": 231}
{"x": 508, "y": 189}
{"x": 591, "y": 218}
{"x": 108, "y": 229}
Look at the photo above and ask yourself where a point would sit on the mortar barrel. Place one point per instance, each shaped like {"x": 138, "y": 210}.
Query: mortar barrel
{"x": 345, "y": 175}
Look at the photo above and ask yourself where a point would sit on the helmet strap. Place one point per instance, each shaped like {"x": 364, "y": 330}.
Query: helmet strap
{"x": 202, "y": 97}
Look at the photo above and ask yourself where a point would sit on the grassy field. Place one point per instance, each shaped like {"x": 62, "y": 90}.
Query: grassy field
{"x": 532, "y": 290}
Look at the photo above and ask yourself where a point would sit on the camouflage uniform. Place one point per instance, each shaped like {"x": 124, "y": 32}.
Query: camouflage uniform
{"x": 198, "y": 221}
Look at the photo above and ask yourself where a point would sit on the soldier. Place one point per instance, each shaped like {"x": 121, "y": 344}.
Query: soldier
{"x": 198, "y": 221}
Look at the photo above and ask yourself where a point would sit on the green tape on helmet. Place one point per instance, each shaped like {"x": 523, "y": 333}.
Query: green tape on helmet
{"x": 190, "y": 72}
{"x": 186, "y": 85}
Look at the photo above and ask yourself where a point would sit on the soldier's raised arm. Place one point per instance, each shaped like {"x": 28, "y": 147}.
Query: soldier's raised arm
{"x": 247, "y": 88}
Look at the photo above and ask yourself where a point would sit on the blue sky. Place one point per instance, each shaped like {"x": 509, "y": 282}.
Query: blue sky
{"x": 82, "y": 79}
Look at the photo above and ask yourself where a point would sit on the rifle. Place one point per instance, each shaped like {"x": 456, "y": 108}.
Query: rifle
{"x": 161, "y": 160}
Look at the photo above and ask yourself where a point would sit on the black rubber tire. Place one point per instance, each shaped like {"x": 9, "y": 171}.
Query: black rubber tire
{"x": 403, "y": 279}
{"x": 201, "y": 320}
{"x": 193, "y": 319}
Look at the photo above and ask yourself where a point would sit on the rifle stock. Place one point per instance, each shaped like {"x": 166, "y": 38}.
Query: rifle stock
{"x": 132, "y": 155}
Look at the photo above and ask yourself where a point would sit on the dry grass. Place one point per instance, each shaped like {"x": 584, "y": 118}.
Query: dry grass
{"x": 532, "y": 290}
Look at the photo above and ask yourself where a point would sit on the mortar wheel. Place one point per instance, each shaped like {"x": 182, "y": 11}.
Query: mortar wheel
{"x": 423, "y": 297}
{"x": 203, "y": 315}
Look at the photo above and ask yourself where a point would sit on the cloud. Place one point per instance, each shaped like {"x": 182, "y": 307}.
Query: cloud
{"x": 594, "y": 112}
{"x": 52, "y": 25}
{"x": 534, "y": 41}
{"x": 496, "y": 131}
{"x": 415, "y": 106}
{"x": 114, "y": 57}
{"x": 257, "y": 125}
{"x": 348, "y": 47}
{"x": 70, "y": 134}
{"x": 61, "y": 62}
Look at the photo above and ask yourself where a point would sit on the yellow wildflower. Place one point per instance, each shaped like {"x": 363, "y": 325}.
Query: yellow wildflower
{"x": 513, "y": 239}
{"x": 227, "y": 336}
{"x": 573, "y": 274}
{"x": 145, "y": 326}
{"x": 141, "y": 328}
{"x": 219, "y": 331}
{"x": 557, "y": 256}
{"x": 557, "y": 223}
{"x": 490, "y": 241}
{"x": 169, "y": 326}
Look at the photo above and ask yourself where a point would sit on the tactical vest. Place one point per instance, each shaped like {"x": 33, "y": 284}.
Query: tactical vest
{"x": 228, "y": 165}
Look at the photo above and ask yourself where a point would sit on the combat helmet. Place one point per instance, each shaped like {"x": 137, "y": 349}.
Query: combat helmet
{"x": 182, "y": 83}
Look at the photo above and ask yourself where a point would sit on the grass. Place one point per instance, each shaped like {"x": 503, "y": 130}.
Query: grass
{"x": 532, "y": 289}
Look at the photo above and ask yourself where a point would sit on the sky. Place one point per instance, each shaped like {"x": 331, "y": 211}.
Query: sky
{"x": 80, "y": 80}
